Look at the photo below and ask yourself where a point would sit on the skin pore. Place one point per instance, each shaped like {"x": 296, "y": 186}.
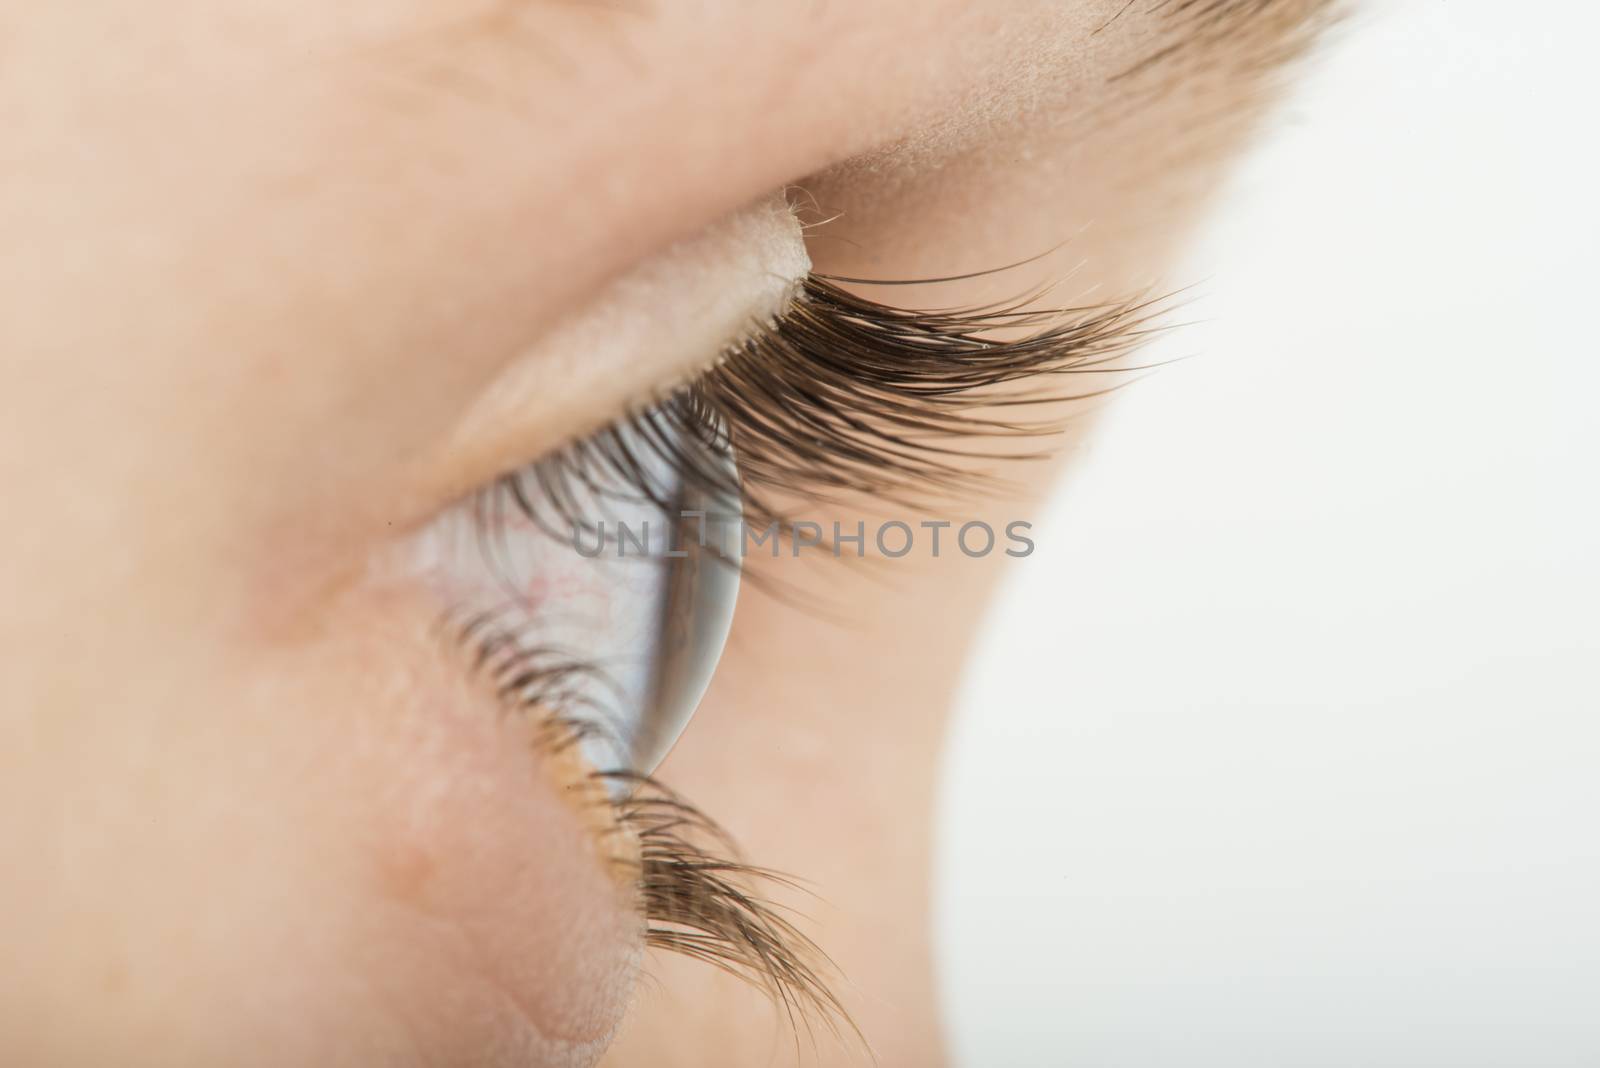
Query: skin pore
{"x": 265, "y": 267}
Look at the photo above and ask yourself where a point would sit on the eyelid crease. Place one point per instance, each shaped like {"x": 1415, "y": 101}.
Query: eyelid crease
{"x": 651, "y": 328}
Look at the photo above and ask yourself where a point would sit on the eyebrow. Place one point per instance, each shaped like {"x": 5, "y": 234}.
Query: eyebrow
{"x": 1223, "y": 36}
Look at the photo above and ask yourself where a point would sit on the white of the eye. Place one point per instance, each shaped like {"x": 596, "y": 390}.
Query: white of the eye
{"x": 657, "y": 619}
{"x": 648, "y": 610}
{"x": 699, "y": 593}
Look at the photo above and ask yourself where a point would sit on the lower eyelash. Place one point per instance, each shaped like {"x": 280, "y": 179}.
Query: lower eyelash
{"x": 699, "y": 899}
{"x": 696, "y": 895}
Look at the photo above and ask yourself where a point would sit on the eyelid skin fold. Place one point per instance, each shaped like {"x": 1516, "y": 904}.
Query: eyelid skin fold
{"x": 647, "y": 330}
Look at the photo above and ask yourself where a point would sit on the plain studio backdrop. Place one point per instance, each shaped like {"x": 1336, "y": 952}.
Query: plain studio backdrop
{"x": 1283, "y": 750}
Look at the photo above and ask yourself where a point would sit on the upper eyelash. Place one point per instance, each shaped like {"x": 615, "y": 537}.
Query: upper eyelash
{"x": 841, "y": 395}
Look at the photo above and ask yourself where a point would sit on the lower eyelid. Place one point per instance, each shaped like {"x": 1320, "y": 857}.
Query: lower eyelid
{"x": 491, "y": 821}
{"x": 473, "y": 859}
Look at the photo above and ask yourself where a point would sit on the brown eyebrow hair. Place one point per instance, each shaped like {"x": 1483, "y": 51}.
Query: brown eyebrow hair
{"x": 1229, "y": 53}
{"x": 1196, "y": 37}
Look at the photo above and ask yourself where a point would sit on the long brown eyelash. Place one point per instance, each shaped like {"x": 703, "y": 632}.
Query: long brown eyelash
{"x": 696, "y": 895}
{"x": 840, "y": 396}
{"x": 702, "y": 900}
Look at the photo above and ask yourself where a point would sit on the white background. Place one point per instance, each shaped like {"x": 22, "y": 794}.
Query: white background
{"x": 1284, "y": 748}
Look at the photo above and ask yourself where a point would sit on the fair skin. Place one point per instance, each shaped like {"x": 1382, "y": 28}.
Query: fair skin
{"x": 262, "y": 266}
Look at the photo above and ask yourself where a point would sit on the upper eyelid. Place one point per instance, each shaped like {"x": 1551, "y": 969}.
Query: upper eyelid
{"x": 671, "y": 197}
{"x": 527, "y": 427}
{"x": 845, "y": 396}
{"x": 655, "y": 327}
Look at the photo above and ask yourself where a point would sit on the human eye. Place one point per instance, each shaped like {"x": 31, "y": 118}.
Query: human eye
{"x": 593, "y": 589}
{"x": 380, "y": 376}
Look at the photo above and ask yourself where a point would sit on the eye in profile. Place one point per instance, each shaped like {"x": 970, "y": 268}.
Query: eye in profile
{"x": 595, "y": 587}
{"x": 598, "y": 591}
{"x": 458, "y": 396}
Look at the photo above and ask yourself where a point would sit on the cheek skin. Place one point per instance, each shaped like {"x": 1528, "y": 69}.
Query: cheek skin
{"x": 493, "y": 897}
{"x": 338, "y": 853}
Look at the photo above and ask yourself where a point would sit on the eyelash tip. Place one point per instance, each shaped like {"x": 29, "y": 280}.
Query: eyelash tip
{"x": 695, "y": 893}
{"x": 700, "y": 899}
